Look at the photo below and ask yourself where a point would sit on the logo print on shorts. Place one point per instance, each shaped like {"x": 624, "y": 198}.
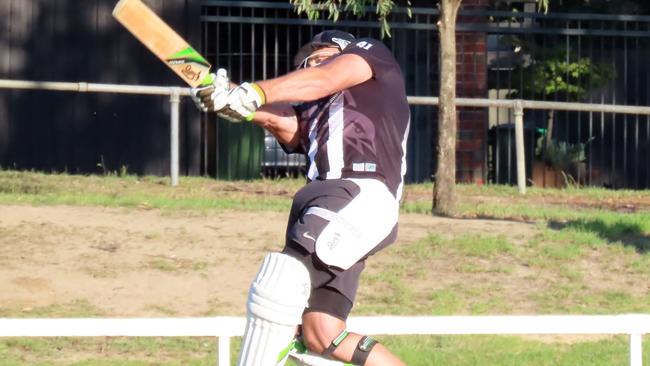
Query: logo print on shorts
{"x": 334, "y": 242}
{"x": 308, "y": 236}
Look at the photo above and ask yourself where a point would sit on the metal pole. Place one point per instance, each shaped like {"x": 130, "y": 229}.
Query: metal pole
{"x": 83, "y": 87}
{"x": 519, "y": 145}
{"x": 224, "y": 351}
{"x": 636, "y": 350}
{"x": 174, "y": 102}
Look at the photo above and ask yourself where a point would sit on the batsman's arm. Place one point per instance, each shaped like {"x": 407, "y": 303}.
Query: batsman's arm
{"x": 313, "y": 83}
{"x": 281, "y": 121}
{"x": 278, "y": 116}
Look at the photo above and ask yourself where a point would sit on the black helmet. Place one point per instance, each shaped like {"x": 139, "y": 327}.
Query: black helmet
{"x": 329, "y": 38}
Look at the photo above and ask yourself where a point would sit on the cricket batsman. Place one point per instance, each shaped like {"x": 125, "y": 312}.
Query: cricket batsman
{"x": 345, "y": 108}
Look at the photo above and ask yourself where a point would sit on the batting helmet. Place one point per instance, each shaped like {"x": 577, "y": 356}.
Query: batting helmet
{"x": 329, "y": 38}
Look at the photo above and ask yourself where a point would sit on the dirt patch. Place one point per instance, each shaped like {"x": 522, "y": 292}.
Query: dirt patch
{"x": 557, "y": 198}
{"x": 136, "y": 262}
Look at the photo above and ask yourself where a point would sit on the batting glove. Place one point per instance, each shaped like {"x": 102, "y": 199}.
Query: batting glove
{"x": 212, "y": 98}
{"x": 242, "y": 102}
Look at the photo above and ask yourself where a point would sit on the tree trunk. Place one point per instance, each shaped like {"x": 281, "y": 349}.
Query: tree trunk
{"x": 444, "y": 192}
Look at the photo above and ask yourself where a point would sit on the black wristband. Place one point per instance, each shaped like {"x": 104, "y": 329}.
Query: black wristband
{"x": 362, "y": 351}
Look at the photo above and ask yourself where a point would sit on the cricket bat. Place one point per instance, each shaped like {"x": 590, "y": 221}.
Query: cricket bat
{"x": 163, "y": 41}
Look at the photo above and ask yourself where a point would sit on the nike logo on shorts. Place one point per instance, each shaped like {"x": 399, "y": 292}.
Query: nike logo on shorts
{"x": 306, "y": 235}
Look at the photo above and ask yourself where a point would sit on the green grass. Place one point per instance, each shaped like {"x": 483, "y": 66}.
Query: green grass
{"x": 177, "y": 265}
{"x": 197, "y": 193}
{"x": 588, "y": 253}
{"x": 414, "y": 350}
{"x": 484, "y": 246}
{"x": 468, "y": 244}
{"x": 193, "y": 193}
{"x": 484, "y": 266}
{"x": 76, "y": 308}
{"x": 505, "y": 351}
{"x": 107, "y": 351}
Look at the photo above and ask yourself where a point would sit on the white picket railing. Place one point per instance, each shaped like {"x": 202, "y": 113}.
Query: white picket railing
{"x": 633, "y": 325}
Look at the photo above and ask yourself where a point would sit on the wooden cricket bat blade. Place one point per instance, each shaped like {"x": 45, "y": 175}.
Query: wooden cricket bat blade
{"x": 163, "y": 41}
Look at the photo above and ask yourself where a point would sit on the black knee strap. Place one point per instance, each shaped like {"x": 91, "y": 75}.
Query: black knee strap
{"x": 362, "y": 351}
{"x": 335, "y": 344}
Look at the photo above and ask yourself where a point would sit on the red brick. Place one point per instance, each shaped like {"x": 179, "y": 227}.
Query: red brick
{"x": 469, "y": 145}
{"x": 471, "y": 125}
{"x": 467, "y": 44}
{"x": 474, "y": 3}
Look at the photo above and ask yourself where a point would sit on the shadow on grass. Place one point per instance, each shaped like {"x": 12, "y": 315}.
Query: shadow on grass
{"x": 629, "y": 234}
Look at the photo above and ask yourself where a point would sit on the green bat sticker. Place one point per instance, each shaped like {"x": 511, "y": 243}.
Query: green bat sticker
{"x": 194, "y": 63}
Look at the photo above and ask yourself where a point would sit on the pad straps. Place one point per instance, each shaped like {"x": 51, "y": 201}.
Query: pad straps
{"x": 362, "y": 351}
{"x": 335, "y": 344}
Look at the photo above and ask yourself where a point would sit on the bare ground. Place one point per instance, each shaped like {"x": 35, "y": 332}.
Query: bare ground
{"x": 139, "y": 262}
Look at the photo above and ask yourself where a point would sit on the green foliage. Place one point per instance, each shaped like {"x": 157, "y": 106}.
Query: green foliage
{"x": 543, "y": 5}
{"x": 383, "y": 8}
{"x": 546, "y": 72}
{"x": 556, "y": 75}
{"x": 606, "y": 6}
{"x": 515, "y": 5}
{"x": 561, "y": 154}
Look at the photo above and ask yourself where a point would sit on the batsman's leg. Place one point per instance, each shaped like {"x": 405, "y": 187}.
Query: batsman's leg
{"x": 276, "y": 301}
{"x": 326, "y": 335}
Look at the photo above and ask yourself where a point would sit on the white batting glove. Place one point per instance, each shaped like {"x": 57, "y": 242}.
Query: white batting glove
{"x": 242, "y": 102}
{"x": 212, "y": 98}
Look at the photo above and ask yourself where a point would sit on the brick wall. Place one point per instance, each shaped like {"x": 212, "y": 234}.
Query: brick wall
{"x": 471, "y": 83}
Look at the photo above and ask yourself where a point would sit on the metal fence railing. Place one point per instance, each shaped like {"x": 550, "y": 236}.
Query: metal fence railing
{"x": 598, "y": 58}
{"x": 174, "y": 93}
{"x": 256, "y": 39}
{"x": 518, "y": 108}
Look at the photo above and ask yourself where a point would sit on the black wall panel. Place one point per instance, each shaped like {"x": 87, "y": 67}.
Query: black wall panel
{"x": 71, "y": 41}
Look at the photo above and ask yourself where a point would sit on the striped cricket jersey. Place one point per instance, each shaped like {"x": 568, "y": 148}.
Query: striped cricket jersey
{"x": 360, "y": 132}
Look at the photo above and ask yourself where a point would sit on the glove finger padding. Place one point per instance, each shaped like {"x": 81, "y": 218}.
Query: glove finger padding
{"x": 199, "y": 96}
{"x": 212, "y": 97}
{"x": 242, "y": 102}
{"x": 230, "y": 115}
{"x": 221, "y": 79}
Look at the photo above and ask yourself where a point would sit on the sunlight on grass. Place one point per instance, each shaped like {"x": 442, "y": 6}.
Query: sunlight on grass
{"x": 414, "y": 350}
{"x": 566, "y": 252}
{"x": 109, "y": 351}
{"x": 445, "y": 301}
{"x": 76, "y": 308}
{"x": 423, "y": 249}
{"x": 586, "y": 253}
{"x": 483, "y": 246}
{"x": 506, "y": 351}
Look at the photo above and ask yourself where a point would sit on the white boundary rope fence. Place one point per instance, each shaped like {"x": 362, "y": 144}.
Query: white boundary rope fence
{"x": 175, "y": 93}
{"x": 633, "y": 325}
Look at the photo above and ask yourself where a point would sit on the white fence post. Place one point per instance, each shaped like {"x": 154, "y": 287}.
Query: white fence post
{"x": 174, "y": 111}
{"x": 224, "y": 351}
{"x": 519, "y": 145}
{"x": 636, "y": 349}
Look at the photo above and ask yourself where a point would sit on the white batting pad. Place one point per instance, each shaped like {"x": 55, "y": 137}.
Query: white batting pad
{"x": 357, "y": 228}
{"x": 276, "y": 301}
